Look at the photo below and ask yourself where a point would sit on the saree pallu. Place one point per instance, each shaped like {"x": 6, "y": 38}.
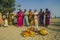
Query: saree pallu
{"x": 26, "y": 21}
{"x": 31, "y": 19}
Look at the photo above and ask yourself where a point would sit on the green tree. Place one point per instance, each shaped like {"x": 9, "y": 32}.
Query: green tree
{"x": 7, "y": 5}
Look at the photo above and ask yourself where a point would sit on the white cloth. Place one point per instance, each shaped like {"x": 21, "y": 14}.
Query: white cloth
{"x": 5, "y": 22}
{"x": 36, "y": 19}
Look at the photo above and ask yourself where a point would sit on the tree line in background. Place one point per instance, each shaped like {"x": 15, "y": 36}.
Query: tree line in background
{"x": 7, "y": 5}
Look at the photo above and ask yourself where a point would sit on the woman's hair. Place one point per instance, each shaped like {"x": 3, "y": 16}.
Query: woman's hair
{"x": 35, "y": 10}
{"x": 29, "y": 10}
{"x": 40, "y": 9}
{"x": 24, "y": 10}
{"x": 19, "y": 9}
{"x": 46, "y": 8}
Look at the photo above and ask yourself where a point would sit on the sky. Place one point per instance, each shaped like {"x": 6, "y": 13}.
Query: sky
{"x": 52, "y": 5}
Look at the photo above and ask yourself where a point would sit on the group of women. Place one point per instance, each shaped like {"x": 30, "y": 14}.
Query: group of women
{"x": 33, "y": 18}
{"x": 28, "y": 18}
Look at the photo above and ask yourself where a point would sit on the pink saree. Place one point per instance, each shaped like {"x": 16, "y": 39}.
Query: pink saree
{"x": 20, "y": 19}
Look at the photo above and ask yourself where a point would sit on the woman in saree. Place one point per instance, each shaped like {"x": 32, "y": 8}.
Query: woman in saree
{"x": 31, "y": 19}
{"x": 1, "y": 20}
{"x": 20, "y": 18}
{"x": 47, "y": 19}
{"x": 10, "y": 18}
{"x": 26, "y": 21}
{"x": 41, "y": 17}
{"x": 36, "y": 19}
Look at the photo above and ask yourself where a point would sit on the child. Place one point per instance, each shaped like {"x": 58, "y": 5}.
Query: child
{"x": 5, "y": 22}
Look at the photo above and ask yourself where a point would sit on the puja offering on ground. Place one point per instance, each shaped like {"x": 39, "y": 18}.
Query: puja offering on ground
{"x": 28, "y": 33}
{"x": 43, "y": 32}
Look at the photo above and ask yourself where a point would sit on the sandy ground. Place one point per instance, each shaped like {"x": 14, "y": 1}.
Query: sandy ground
{"x": 14, "y": 33}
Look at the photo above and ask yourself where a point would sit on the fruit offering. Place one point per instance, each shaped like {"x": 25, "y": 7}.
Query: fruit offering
{"x": 32, "y": 33}
{"x": 43, "y": 32}
{"x": 28, "y": 33}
